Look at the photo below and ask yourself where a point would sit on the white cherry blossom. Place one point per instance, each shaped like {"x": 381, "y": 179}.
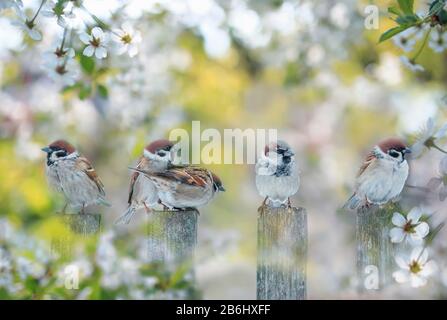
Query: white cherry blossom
{"x": 409, "y": 228}
{"x": 415, "y": 269}
{"x": 127, "y": 39}
{"x": 96, "y": 43}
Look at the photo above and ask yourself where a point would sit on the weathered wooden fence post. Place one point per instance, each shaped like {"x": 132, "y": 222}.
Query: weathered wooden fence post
{"x": 72, "y": 226}
{"x": 282, "y": 254}
{"x": 374, "y": 248}
{"x": 172, "y": 237}
{"x": 83, "y": 224}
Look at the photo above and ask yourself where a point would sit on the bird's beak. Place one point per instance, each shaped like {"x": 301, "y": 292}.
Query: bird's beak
{"x": 407, "y": 150}
{"x": 289, "y": 153}
{"x": 46, "y": 149}
{"x": 221, "y": 188}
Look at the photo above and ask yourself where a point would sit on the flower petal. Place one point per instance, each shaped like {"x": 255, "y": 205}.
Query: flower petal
{"x": 61, "y": 22}
{"x": 414, "y": 215}
{"x": 402, "y": 263}
{"x": 401, "y": 276}
{"x": 417, "y": 149}
{"x": 133, "y": 50}
{"x": 47, "y": 13}
{"x": 417, "y": 253}
{"x": 88, "y": 51}
{"x": 18, "y": 23}
{"x": 441, "y": 132}
{"x": 34, "y": 34}
{"x": 136, "y": 38}
{"x": 430, "y": 127}
{"x": 398, "y": 219}
{"x": 70, "y": 53}
{"x": 101, "y": 52}
{"x": 85, "y": 38}
{"x": 127, "y": 28}
{"x": 422, "y": 229}
{"x": 415, "y": 240}
{"x": 118, "y": 32}
{"x": 121, "y": 48}
{"x": 397, "y": 235}
{"x": 429, "y": 268}
{"x": 97, "y": 32}
{"x": 417, "y": 281}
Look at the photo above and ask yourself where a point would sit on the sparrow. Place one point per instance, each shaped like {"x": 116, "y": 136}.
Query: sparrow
{"x": 184, "y": 187}
{"x": 277, "y": 177}
{"x": 382, "y": 176}
{"x": 142, "y": 191}
{"x": 74, "y": 176}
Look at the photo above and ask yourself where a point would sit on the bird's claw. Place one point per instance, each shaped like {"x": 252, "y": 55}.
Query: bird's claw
{"x": 289, "y": 205}
{"x": 147, "y": 209}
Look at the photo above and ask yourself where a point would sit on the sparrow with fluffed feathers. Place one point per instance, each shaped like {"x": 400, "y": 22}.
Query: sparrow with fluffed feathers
{"x": 74, "y": 176}
{"x": 143, "y": 192}
{"x": 277, "y": 176}
{"x": 382, "y": 176}
{"x": 184, "y": 187}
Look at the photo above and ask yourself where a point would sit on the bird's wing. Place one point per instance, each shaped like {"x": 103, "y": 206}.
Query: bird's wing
{"x": 182, "y": 166}
{"x": 141, "y": 163}
{"x": 133, "y": 179}
{"x": 85, "y": 166}
{"x": 193, "y": 176}
{"x": 370, "y": 158}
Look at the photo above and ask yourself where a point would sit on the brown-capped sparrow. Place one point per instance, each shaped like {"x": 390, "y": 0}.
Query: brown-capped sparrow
{"x": 74, "y": 176}
{"x": 184, "y": 187}
{"x": 382, "y": 177}
{"x": 142, "y": 191}
{"x": 277, "y": 177}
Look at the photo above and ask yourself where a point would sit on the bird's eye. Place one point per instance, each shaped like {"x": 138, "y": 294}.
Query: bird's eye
{"x": 61, "y": 154}
{"x": 161, "y": 153}
{"x": 394, "y": 153}
{"x": 280, "y": 151}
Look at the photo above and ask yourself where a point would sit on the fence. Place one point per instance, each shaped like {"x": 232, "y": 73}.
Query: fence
{"x": 282, "y": 253}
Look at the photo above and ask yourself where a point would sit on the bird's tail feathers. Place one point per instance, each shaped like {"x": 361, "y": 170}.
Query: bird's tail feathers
{"x": 352, "y": 203}
{"x": 126, "y": 217}
{"x": 104, "y": 202}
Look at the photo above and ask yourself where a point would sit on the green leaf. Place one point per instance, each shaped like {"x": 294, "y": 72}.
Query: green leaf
{"x": 85, "y": 92}
{"x": 436, "y": 7}
{"x": 394, "y": 10}
{"x": 73, "y": 87}
{"x": 442, "y": 17}
{"x": 392, "y": 32}
{"x": 431, "y": 236}
{"x": 407, "y": 20}
{"x": 103, "y": 91}
{"x": 179, "y": 275}
{"x": 406, "y": 6}
{"x": 87, "y": 64}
